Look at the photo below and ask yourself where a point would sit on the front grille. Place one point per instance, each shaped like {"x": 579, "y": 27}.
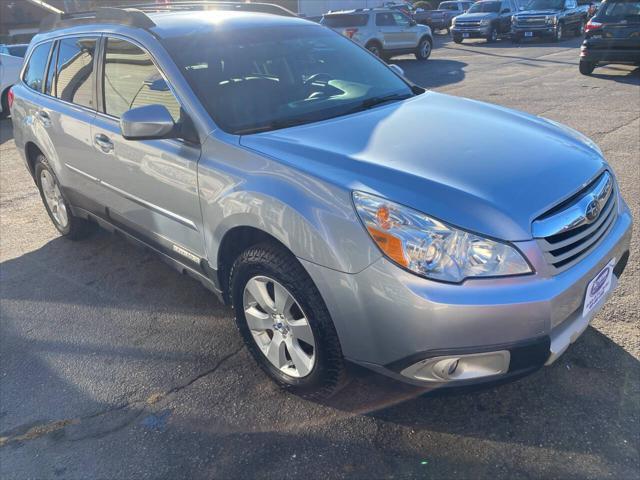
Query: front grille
{"x": 531, "y": 21}
{"x": 566, "y": 246}
{"x": 468, "y": 24}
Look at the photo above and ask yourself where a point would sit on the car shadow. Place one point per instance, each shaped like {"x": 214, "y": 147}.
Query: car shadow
{"x": 439, "y": 72}
{"x": 623, "y": 74}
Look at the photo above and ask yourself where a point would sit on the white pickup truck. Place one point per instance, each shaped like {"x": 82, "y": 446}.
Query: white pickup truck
{"x": 11, "y": 58}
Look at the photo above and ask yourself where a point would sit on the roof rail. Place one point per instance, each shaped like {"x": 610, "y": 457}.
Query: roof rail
{"x": 123, "y": 16}
{"x": 215, "y": 5}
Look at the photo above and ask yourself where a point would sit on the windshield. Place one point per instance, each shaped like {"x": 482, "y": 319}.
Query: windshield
{"x": 448, "y": 6}
{"x": 484, "y": 7}
{"x": 618, "y": 11}
{"x": 253, "y": 80}
{"x": 545, "y": 5}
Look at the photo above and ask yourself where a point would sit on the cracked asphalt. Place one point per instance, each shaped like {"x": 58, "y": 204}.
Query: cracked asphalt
{"x": 114, "y": 366}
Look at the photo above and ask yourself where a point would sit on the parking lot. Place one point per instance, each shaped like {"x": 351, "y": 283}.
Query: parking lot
{"x": 112, "y": 365}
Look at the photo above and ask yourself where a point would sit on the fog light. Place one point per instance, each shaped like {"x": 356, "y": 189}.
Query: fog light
{"x": 459, "y": 367}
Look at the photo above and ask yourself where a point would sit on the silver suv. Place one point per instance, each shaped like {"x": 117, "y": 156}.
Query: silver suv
{"x": 384, "y": 32}
{"x": 313, "y": 188}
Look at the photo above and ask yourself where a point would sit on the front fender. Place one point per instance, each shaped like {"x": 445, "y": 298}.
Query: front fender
{"x": 312, "y": 218}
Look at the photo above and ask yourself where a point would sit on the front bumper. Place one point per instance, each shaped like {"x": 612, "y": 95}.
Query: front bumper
{"x": 532, "y": 32}
{"x": 470, "y": 32}
{"x": 388, "y": 319}
{"x": 601, "y": 52}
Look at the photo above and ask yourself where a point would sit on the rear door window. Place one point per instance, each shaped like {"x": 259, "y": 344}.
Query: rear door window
{"x": 34, "y": 72}
{"x": 341, "y": 21}
{"x": 74, "y": 77}
{"x": 132, "y": 80}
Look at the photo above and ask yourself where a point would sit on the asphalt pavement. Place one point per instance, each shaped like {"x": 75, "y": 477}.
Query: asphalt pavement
{"x": 114, "y": 366}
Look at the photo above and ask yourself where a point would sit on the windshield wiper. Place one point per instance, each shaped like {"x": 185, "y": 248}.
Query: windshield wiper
{"x": 375, "y": 101}
{"x": 275, "y": 125}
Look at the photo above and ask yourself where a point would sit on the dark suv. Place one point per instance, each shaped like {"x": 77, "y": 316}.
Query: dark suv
{"x": 613, "y": 35}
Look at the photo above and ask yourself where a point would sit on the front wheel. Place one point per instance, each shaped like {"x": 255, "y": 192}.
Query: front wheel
{"x": 57, "y": 206}
{"x": 375, "y": 49}
{"x": 285, "y": 323}
{"x": 424, "y": 49}
{"x": 457, "y": 39}
{"x": 493, "y": 35}
{"x": 586, "y": 68}
{"x": 559, "y": 34}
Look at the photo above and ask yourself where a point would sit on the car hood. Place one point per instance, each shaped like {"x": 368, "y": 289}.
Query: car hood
{"x": 474, "y": 165}
{"x": 476, "y": 16}
{"x": 536, "y": 12}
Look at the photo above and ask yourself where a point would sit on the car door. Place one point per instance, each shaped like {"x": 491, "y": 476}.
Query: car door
{"x": 505, "y": 17}
{"x": 388, "y": 31}
{"x": 65, "y": 111}
{"x": 152, "y": 185}
{"x": 408, "y": 35}
{"x": 572, "y": 15}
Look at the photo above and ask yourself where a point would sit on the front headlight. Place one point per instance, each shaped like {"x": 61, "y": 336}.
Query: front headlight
{"x": 485, "y": 22}
{"x": 514, "y": 20}
{"x": 453, "y": 22}
{"x": 551, "y": 20}
{"x": 431, "y": 248}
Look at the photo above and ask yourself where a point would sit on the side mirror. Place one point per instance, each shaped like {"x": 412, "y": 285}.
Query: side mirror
{"x": 505, "y": 10}
{"x": 147, "y": 123}
{"x": 397, "y": 69}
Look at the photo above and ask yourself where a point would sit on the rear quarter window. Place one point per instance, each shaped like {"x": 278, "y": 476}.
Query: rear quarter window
{"x": 34, "y": 71}
{"x": 618, "y": 11}
{"x": 340, "y": 21}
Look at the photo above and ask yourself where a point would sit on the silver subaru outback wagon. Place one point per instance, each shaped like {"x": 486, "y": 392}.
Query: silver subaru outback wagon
{"x": 313, "y": 188}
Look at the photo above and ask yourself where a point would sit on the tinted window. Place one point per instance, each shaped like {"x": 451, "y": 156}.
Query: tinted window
{"x": 34, "y": 72}
{"x": 485, "y": 7}
{"x": 448, "y": 6}
{"x": 339, "y": 21}
{"x": 17, "y": 51}
{"x": 545, "y": 5}
{"x": 255, "y": 79}
{"x": 132, "y": 80}
{"x": 401, "y": 19}
{"x": 385, "y": 20}
{"x": 617, "y": 11}
{"x": 74, "y": 71}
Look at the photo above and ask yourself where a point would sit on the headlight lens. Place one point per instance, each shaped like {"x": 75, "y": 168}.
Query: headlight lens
{"x": 485, "y": 22}
{"x": 430, "y": 248}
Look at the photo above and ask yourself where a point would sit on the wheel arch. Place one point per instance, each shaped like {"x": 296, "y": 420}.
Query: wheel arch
{"x": 235, "y": 241}
{"x": 31, "y": 151}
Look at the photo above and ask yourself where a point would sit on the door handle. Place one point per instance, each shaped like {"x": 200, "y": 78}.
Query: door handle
{"x": 44, "y": 118}
{"x": 104, "y": 143}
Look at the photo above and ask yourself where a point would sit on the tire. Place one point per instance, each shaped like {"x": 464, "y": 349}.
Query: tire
{"x": 4, "y": 98}
{"x": 270, "y": 269}
{"x": 457, "y": 39}
{"x": 57, "y": 207}
{"x": 374, "y": 48}
{"x": 516, "y": 39}
{"x": 586, "y": 68}
{"x": 559, "y": 33}
{"x": 423, "y": 51}
{"x": 493, "y": 35}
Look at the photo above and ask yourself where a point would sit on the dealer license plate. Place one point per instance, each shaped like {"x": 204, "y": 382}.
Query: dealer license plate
{"x": 598, "y": 288}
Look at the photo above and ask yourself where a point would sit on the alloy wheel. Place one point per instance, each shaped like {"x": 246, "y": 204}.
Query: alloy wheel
{"x": 54, "y": 199}
{"x": 279, "y": 326}
{"x": 425, "y": 49}
{"x": 374, "y": 49}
